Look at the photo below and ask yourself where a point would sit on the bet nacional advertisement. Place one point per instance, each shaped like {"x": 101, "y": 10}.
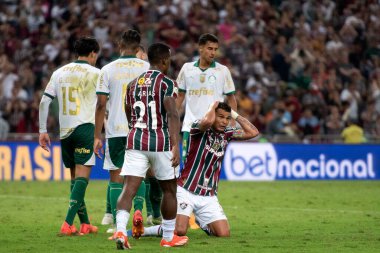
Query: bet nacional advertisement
{"x": 243, "y": 161}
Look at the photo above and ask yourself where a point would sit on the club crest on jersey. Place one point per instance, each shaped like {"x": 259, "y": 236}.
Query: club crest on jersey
{"x": 183, "y": 205}
{"x": 212, "y": 79}
{"x": 202, "y": 78}
{"x": 215, "y": 146}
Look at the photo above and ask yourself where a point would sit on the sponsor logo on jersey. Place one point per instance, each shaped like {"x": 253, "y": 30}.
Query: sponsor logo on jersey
{"x": 82, "y": 150}
{"x": 141, "y": 81}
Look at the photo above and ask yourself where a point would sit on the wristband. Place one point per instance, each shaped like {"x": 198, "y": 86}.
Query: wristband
{"x": 234, "y": 114}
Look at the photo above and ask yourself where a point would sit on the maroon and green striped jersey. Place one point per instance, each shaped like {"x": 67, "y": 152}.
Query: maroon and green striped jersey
{"x": 148, "y": 123}
{"x": 201, "y": 171}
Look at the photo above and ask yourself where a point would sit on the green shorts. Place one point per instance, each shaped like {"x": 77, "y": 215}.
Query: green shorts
{"x": 185, "y": 144}
{"x": 78, "y": 148}
{"x": 115, "y": 150}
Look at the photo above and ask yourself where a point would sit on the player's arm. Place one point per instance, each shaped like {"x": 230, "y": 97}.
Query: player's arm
{"x": 229, "y": 91}
{"x": 231, "y": 101}
{"x": 248, "y": 130}
{"x": 181, "y": 88}
{"x": 209, "y": 118}
{"x": 180, "y": 99}
{"x": 100, "y": 112}
{"x": 127, "y": 106}
{"x": 174, "y": 123}
{"x": 44, "y": 139}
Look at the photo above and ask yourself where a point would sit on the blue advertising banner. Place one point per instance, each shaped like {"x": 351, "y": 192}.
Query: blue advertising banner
{"x": 243, "y": 161}
{"x": 267, "y": 162}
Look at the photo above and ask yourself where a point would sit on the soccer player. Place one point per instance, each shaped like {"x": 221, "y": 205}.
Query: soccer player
{"x": 152, "y": 142}
{"x": 202, "y": 82}
{"x": 198, "y": 183}
{"x": 74, "y": 85}
{"x": 111, "y": 87}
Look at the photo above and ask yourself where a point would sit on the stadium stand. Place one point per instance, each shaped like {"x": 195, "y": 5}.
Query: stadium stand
{"x": 302, "y": 69}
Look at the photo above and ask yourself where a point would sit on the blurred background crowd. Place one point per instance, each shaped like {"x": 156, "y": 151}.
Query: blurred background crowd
{"x": 301, "y": 68}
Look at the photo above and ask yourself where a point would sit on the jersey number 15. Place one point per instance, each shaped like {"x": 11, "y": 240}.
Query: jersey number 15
{"x": 69, "y": 98}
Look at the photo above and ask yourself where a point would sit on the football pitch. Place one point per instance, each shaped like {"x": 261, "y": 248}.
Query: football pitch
{"x": 289, "y": 216}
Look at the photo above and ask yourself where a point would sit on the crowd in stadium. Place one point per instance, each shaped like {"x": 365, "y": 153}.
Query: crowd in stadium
{"x": 300, "y": 67}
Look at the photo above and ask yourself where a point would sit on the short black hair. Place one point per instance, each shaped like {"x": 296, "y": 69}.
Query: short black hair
{"x": 130, "y": 39}
{"x": 86, "y": 45}
{"x": 223, "y": 106}
{"x": 204, "y": 38}
{"x": 158, "y": 52}
{"x": 142, "y": 48}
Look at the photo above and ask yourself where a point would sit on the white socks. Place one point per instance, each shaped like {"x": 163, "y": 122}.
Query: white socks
{"x": 122, "y": 217}
{"x": 168, "y": 227}
{"x": 153, "y": 231}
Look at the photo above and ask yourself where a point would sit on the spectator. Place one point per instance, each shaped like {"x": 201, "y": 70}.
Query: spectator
{"x": 353, "y": 133}
{"x": 320, "y": 46}
{"x": 308, "y": 123}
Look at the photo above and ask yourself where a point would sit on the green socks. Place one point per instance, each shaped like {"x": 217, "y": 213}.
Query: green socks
{"x": 115, "y": 190}
{"x": 82, "y": 211}
{"x": 78, "y": 191}
{"x": 108, "y": 206}
{"x": 138, "y": 201}
{"x": 149, "y": 210}
{"x": 155, "y": 197}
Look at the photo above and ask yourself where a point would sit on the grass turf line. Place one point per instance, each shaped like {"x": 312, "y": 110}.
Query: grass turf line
{"x": 291, "y": 216}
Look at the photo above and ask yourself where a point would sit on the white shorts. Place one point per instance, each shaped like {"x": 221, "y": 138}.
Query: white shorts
{"x": 206, "y": 208}
{"x": 137, "y": 162}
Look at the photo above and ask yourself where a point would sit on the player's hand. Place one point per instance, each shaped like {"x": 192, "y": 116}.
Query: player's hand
{"x": 214, "y": 105}
{"x": 176, "y": 157}
{"x": 44, "y": 141}
{"x": 98, "y": 147}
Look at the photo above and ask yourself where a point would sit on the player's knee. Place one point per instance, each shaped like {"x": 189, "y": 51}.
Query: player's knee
{"x": 181, "y": 229}
{"x": 223, "y": 233}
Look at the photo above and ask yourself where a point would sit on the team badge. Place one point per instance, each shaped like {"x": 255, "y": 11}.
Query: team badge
{"x": 202, "y": 78}
{"x": 141, "y": 81}
{"x": 212, "y": 79}
{"x": 183, "y": 205}
{"x": 215, "y": 146}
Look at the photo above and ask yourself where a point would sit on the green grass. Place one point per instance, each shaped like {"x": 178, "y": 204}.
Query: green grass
{"x": 304, "y": 216}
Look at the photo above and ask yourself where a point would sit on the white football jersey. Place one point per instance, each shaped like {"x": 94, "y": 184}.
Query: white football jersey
{"x": 113, "y": 81}
{"x": 74, "y": 86}
{"x": 202, "y": 88}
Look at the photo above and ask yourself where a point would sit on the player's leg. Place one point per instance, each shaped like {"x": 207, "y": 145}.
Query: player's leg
{"x": 166, "y": 175}
{"x": 211, "y": 217}
{"x": 113, "y": 162}
{"x": 134, "y": 170}
{"x": 220, "y": 228}
{"x": 107, "y": 218}
{"x": 82, "y": 211}
{"x": 116, "y": 187}
{"x": 138, "y": 203}
{"x": 185, "y": 207}
{"x": 155, "y": 198}
{"x": 83, "y": 140}
{"x": 148, "y": 203}
{"x": 67, "y": 150}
